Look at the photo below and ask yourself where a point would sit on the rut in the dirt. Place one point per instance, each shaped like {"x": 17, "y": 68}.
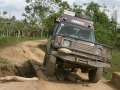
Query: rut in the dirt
{"x": 27, "y": 70}
{"x": 59, "y": 74}
{"x": 24, "y": 70}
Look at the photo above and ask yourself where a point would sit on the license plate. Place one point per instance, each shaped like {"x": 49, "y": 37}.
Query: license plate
{"x": 81, "y": 60}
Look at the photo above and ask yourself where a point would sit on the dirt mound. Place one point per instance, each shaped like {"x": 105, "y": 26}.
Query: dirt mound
{"x": 24, "y": 70}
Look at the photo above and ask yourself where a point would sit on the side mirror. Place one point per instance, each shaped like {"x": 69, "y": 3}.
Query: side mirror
{"x": 56, "y": 19}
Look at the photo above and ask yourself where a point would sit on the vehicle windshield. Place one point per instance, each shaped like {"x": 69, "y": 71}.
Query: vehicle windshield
{"x": 76, "y": 32}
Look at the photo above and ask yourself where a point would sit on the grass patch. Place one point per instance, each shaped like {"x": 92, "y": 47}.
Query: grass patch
{"x": 9, "y": 41}
{"x": 115, "y": 65}
{"x": 3, "y": 61}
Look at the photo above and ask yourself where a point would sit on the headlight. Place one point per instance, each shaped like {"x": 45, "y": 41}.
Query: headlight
{"x": 66, "y": 43}
{"x": 98, "y": 51}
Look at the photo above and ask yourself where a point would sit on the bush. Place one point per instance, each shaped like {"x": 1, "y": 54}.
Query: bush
{"x": 115, "y": 65}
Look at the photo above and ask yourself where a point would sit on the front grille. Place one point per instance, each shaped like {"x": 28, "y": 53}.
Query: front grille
{"x": 82, "y": 45}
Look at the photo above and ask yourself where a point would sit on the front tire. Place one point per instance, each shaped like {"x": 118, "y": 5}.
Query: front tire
{"x": 95, "y": 75}
{"x": 45, "y": 60}
{"x": 50, "y": 65}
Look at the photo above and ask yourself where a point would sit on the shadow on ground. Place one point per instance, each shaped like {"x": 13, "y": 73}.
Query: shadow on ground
{"x": 24, "y": 70}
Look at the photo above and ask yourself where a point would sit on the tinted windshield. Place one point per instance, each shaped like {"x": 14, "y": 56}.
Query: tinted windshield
{"x": 76, "y": 32}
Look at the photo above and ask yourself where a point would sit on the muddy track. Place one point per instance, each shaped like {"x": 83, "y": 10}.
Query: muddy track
{"x": 23, "y": 51}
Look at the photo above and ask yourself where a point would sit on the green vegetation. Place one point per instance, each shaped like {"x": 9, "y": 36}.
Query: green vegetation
{"x": 40, "y": 15}
{"x": 115, "y": 65}
{"x": 4, "y": 61}
{"x": 4, "y": 42}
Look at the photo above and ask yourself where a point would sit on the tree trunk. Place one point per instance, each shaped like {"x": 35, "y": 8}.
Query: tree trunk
{"x": 3, "y": 35}
{"x": 18, "y": 34}
{"x": 17, "y": 78}
{"x": 37, "y": 69}
{"x": 41, "y": 33}
{"x": 14, "y": 33}
{"x": 7, "y": 33}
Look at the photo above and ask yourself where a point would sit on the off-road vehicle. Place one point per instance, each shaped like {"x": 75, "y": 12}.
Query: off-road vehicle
{"x": 72, "y": 46}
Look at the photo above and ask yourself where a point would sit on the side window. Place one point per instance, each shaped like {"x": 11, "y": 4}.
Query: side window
{"x": 63, "y": 29}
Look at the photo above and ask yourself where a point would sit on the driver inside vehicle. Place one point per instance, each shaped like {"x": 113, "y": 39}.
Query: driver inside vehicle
{"x": 80, "y": 34}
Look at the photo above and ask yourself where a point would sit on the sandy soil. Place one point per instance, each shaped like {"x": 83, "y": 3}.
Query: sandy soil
{"x": 31, "y": 50}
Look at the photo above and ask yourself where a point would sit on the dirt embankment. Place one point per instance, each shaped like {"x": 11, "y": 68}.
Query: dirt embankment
{"x": 21, "y": 52}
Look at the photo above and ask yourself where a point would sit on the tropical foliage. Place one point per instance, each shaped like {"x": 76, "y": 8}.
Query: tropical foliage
{"x": 40, "y": 14}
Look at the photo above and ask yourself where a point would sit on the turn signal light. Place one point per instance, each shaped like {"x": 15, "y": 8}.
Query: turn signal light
{"x": 104, "y": 50}
{"x": 59, "y": 39}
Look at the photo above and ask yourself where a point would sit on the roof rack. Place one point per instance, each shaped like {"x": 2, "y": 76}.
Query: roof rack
{"x": 69, "y": 13}
{"x": 83, "y": 17}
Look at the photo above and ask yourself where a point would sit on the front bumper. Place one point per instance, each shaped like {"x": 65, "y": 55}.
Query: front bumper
{"x": 87, "y": 62}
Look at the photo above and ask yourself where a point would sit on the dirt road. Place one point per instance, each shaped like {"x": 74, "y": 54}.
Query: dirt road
{"x": 31, "y": 50}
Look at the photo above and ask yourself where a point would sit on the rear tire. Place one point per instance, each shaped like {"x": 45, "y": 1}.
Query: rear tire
{"x": 51, "y": 65}
{"x": 95, "y": 75}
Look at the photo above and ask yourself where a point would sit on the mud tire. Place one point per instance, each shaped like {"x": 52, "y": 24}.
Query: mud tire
{"x": 50, "y": 65}
{"x": 45, "y": 60}
{"x": 95, "y": 75}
